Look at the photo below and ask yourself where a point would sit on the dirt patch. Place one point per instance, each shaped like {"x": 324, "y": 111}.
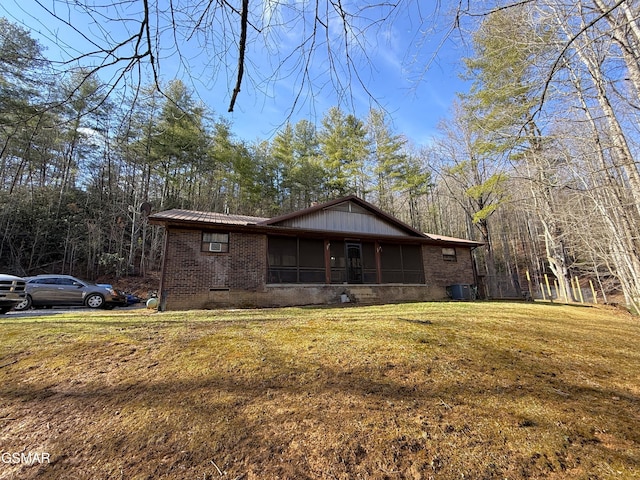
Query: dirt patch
{"x": 142, "y": 287}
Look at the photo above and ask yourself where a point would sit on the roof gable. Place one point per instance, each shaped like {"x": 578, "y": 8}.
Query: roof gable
{"x": 348, "y": 214}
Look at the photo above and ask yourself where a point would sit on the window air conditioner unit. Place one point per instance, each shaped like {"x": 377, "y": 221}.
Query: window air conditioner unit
{"x": 215, "y": 247}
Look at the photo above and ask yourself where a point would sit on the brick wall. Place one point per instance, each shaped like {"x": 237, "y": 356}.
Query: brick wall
{"x": 194, "y": 279}
{"x": 248, "y": 262}
{"x": 440, "y": 273}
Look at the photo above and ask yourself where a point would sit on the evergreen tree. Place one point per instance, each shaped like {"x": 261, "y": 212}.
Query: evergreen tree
{"x": 388, "y": 159}
{"x": 179, "y": 145}
{"x": 345, "y": 148}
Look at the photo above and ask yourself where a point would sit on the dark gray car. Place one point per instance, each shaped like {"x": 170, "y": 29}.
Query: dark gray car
{"x": 65, "y": 290}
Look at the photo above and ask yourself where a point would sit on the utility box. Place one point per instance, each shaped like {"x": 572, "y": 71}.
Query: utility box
{"x": 462, "y": 291}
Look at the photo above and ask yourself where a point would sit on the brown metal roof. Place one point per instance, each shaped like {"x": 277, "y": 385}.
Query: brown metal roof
{"x": 445, "y": 239}
{"x": 190, "y": 216}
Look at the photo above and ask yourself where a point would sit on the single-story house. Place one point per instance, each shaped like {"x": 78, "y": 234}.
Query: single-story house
{"x": 345, "y": 249}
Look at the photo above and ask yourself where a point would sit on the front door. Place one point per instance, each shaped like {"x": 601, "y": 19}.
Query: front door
{"x": 354, "y": 263}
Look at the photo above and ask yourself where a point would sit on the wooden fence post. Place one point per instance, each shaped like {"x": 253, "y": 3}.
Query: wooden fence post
{"x": 593, "y": 292}
{"x": 579, "y": 296}
{"x": 546, "y": 280}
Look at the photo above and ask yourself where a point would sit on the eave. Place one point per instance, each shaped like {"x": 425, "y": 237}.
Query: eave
{"x": 189, "y": 219}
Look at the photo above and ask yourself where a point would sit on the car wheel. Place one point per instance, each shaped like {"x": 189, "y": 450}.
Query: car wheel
{"x": 95, "y": 300}
{"x": 24, "y": 304}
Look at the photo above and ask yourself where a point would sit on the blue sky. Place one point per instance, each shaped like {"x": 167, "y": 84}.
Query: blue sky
{"x": 400, "y": 65}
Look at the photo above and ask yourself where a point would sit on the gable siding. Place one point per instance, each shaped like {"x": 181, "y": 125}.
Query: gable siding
{"x": 338, "y": 221}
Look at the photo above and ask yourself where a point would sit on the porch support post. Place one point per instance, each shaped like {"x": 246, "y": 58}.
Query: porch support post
{"x": 378, "y": 250}
{"x": 327, "y": 261}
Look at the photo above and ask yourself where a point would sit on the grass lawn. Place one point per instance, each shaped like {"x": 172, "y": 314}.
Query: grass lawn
{"x": 416, "y": 391}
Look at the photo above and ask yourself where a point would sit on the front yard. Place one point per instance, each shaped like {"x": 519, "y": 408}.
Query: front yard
{"x": 417, "y": 391}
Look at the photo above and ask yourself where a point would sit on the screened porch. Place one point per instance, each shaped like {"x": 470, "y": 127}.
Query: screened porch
{"x": 294, "y": 260}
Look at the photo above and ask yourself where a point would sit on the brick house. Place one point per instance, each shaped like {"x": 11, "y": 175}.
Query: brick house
{"x": 328, "y": 253}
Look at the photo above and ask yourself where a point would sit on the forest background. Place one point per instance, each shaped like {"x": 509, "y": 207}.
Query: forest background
{"x": 538, "y": 159}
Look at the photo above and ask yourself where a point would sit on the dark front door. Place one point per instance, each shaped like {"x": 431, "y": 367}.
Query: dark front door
{"x": 354, "y": 263}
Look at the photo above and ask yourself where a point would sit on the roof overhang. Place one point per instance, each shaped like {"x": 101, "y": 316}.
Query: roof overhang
{"x": 178, "y": 217}
{"x": 189, "y": 219}
{"x": 444, "y": 240}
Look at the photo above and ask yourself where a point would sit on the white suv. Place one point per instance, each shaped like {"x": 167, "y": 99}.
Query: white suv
{"x": 12, "y": 292}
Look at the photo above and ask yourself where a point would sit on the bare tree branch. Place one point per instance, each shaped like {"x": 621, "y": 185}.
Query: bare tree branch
{"x": 560, "y": 57}
{"x": 241, "y": 52}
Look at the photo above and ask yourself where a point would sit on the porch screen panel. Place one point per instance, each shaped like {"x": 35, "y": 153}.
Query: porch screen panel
{"x": 391, "y": 260}
{"x": 311, "y": 261}
{"x": 412, "y": 268}
{"x": 338, "y": 262}
{"x": 294, "y": 260}
{"x": 369, "y": 269}
{"x": 401, "y": 263}
{"x": 283, "y": 260}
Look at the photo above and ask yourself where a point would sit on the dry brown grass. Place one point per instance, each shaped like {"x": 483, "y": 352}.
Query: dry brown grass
{"x": 434, "y": 390}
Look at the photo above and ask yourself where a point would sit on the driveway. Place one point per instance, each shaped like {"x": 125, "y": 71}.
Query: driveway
{"x": 47, "y": 312}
